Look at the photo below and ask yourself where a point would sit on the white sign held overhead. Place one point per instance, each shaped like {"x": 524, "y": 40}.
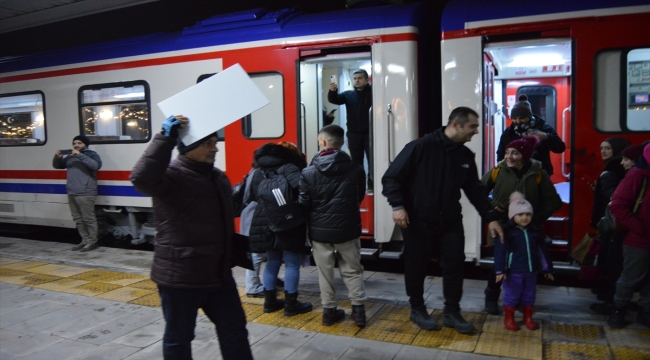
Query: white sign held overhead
{"x": 214, "y": 103}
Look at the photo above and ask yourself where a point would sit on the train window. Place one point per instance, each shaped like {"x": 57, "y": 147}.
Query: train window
{"x": 542, "y": 100}
{"x": 116, "y": 112}
{"x": 22, "y": 119}
{"x": 267, "y": 122}
{"x": 637, "y": 106}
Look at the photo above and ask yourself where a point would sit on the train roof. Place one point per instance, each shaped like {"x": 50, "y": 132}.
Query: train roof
{"x": 240, "y": 27}
{"x": 464, "y": 14}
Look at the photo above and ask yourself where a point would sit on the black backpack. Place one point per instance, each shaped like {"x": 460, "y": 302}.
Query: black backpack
{"x": 280, "y": 206}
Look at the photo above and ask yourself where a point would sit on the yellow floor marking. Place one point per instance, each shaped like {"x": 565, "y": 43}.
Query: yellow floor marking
{"x": 145, "y": 284}
{"x": 494, "y": 324}
{"x": 125, "y": 294}
{"x": 393, "y": 313}
{"x": 447, "y": 338}
{"x": 58, "y": 270}
{"x": 151, "y": 300}
{"x": 22, "y": 265}
{"x": 590, "y": 334}
{"x": 342, "y": 328}
{"x": 62, "y": 284}
{"x": 565, "y": 350}
{"x": 9, "y": 273}
{"x": 32, "y": 279}
{"x": 124, "y": 279}
{"x": 6, "y": 261}
{"x": 630, "y": 354}
{"x": 252, "y": 311}
{"x": 371, "y": 308}
{"x": 277, "y": 318}
{"x": 627, "y": 338}
{"x": 522, "y": 347}
{"x": 97, "y": 275}
{"x": 92, "y": 289}
{"x": 391, "y": 331}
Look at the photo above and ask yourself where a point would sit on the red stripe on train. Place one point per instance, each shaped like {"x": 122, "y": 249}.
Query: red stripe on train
{"x": 60, "y": 174}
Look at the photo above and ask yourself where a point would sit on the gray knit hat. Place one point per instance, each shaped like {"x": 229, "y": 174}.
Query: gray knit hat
{"x": 522, "y": 108}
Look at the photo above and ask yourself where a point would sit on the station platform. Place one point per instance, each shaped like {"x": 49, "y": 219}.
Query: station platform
{"x": 60, "y": 304}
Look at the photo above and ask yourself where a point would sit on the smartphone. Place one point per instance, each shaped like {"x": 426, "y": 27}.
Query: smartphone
{"x": 333, "y": 79}
{"x": 333, "y": 111}
{"x": 65, "y": 152}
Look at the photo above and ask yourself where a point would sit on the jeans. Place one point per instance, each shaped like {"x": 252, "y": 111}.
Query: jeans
{"x": 292, "y": 272}
{"x": 222, "y": 306}
{"x": 253, "y": 282}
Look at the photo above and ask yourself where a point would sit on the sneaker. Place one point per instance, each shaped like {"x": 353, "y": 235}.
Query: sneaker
{"x": 456, "y": 321}
{"x": 259, "y": 294}
{"x": 617, "y": 318}
{"x": 89, "y": 247}
{"x": 359, "y": 315}
{"x": 78, "y": 247}
{"x": 332, "y": 315}
{"x": 643, "y": 318}
{"x": 421, "y": 318}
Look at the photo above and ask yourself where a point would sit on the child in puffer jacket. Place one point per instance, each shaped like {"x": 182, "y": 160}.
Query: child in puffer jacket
{"x": 517, "y": 260}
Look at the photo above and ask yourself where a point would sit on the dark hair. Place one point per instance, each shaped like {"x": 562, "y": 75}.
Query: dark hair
{"x": 334, "y": 135}
{"x": 361, "y": 71}
{"x": 461, "y": 115}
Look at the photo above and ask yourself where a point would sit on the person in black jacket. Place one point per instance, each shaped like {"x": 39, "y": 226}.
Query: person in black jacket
{"x": 525, "y": 123}
{"x": 423, "y": 186}
{"x": 331, "y": 189}
{"x": 357, "y": 104}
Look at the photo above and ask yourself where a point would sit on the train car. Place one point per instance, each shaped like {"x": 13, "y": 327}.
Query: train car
{"x": 109, "y": 92}
{"x": 585, "y": 67}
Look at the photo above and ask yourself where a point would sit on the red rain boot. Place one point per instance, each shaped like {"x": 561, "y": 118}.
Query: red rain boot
{"x": 528, "y": 318}
{"x": 509, "y": 320}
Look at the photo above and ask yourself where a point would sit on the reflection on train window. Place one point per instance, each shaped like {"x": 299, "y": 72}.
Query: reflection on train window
{"x": 22, "y": 119}
{"x": 638, "y": 89}
{"x": 267, "y": 122}
{"x": 115, "y": 113}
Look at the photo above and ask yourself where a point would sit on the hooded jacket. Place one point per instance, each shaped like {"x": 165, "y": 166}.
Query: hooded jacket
{"x": 194, "y": 217}
{"x": 541, "y": 194}
{"x": 523, "y": 251}
{"x": 357, "y": 104}
{"x": 331, "y": 189}
{"x": 261, "y": 239}
{"x": 623, "y": 201}
{"x": 426, "y": 178}
{"x": 81, "y": 172}
{"x": 543, "y": 151}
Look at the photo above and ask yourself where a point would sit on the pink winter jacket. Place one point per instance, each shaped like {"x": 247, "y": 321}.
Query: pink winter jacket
{"x": 623, "y": 201}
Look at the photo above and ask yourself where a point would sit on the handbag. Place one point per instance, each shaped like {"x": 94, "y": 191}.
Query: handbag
{"x": 607, "y": 224}
{"x": 579, "y": 253}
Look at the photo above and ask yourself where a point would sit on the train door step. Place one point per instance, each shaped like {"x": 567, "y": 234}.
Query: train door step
{"x": 559, "y": 267}
{"x": 393, "y": 255}
{"x": 369, "y": 253}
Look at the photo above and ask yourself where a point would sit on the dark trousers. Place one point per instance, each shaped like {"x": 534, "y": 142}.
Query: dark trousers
{"x": 422, "y": 242}
{"x": 520, "y": 288}
{"x": 358, "y": 144}
{"x": 222, "y": 306}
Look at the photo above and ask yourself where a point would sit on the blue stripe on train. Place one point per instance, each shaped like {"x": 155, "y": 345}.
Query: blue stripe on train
{"x": 104, "y": 190}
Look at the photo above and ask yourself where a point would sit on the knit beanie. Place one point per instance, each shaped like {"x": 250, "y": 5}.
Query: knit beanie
{"x": 633, "y": 152}
{"x": 183, "y": 149}
{"x": 83, "y": 139}
{"x": 646, "y": 154}
{"x": 618, "y": 144}
{"x": 526, "y": 146}
{"x": 522, "y": 108}
{"x": 518, "y": 205}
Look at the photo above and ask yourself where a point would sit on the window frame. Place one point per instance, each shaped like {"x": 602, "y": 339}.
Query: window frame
{"x": 43, "y": 105}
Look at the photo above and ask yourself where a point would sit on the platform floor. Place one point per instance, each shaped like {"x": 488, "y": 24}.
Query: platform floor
{"x": 60, "y": 304}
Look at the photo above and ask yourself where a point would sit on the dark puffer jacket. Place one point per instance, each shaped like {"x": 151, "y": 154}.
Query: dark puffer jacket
{"x": 607, "y": 182}
{"x": 194, "y": 217}
{"x": 271, "y": 157}
{"x": 522, "y": 251}
{"x": 331, "y": 189}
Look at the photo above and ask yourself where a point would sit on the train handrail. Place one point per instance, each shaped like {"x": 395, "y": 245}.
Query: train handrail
{"x": 389, "y": 111}
{"x": 303, "y": 127}
{"x": 568, "y": 174}
{"x": 371, "y": 130}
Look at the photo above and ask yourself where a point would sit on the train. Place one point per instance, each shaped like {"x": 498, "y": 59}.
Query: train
{"x": 584, "y": 65}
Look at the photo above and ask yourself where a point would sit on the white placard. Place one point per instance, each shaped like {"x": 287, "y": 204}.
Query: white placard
{"x": 214, "y": 103}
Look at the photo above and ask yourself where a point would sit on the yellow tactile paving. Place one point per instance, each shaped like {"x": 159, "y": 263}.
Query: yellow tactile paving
{"x": 9, "y": 273}
{"x": 630, "y": 354}
{"x": 522, "y": 347}
{"x": 62, "y": 284}
{"x": 58, "y": 270}
{"x": 589, "y": 334}
{"x": 494, "y": 324}
{"x": 125, "y": 294}
{"x": 342, "y": 328}
{"x": 447, "y": 338}
{"x": 92, "y": 289}
{"x": 6, "y": 261}
{"x": 31, "y": 279}
{"x": 571, "y": 351}
{"x": 145, "y": 284}
{"x": 371, "y": 308}
{"x": 476, "y": 319}
{"x": 124, "y": 279}
{"x": 151, "y": 300}
{"x": 252, "y": 311}
{"x": 97, "y": 275}
{"x": 22, "y": 265}
{"x": 627, "y": 338}
{"x": 400, "y": 332}
{"x": 277, "y": 318}
{"x": 393, "y": 313}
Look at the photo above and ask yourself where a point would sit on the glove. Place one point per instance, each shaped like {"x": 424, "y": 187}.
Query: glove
{"x": 170, "y": 127}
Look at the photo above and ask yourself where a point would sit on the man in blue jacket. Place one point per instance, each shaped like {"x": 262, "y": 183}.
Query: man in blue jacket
{"x": 81, "y": 167}
{"x": 423, "y": 186}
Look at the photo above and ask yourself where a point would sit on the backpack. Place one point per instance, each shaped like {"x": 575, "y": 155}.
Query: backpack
{"x": 241, "y": 193}
{"x": 277, "y": 198}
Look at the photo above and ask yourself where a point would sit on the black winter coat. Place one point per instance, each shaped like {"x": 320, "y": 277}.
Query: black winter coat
{"x": 357, "y": 105}
{"x": 261, "y": 239}
{"x": 194, "y": 217}
{"x": 426, "y": 178}
{"x": 331, "y": 189}
{"x": 607, "y": 182}
{"x": 543, "y": 151}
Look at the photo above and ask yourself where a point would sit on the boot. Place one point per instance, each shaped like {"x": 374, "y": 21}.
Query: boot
{"x": 294, "y": 307}
{"x": 359, "y": 315}
{"x": 271, "y": 302}
{"x": 332, "y": 315}
{"x": 617, "y": 318}
{"x": 509, "y": 319}
{"x": 492, "y": 301}
{"x": 528, "y": 318}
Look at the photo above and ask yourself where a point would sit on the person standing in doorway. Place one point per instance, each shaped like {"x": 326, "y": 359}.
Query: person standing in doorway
{"x": 357, "y": 104}
{"x": 81, "y": 166}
